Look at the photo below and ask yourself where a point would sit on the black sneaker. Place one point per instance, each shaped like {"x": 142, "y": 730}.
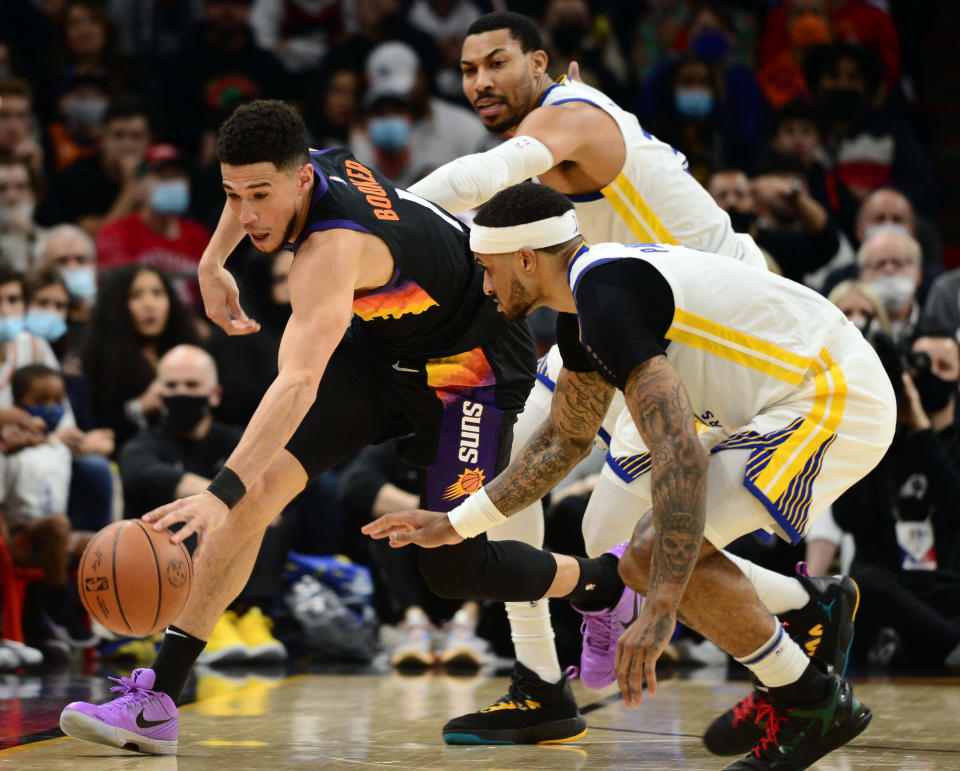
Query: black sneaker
{"x": 740, "y": 727}
{"x": 532, "y": 712}
{"x": 69, "y": 624}
{"x": 797, "y": 737}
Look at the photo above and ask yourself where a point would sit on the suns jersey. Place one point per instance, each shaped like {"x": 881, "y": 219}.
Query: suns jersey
{"x": 653, "y": 199}
{"x": 741, "y": 340}
{"x": 434, "y": 305}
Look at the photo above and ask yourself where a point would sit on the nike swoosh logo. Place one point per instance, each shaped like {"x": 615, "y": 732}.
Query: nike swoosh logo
{"x": 636, "y": 610}
{"x": 398, "y": 368}
{"x": 142, "y": 722}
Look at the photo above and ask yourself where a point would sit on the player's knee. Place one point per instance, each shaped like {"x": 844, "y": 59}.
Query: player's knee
{"x": 447, "y": 578}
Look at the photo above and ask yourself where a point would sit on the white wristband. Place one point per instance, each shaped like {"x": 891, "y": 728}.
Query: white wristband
{"x": 475, "y": 515}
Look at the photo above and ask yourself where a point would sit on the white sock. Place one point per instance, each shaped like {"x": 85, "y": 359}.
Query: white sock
{"x": 778, "y": 662}
{"x": 532, "y": 636}
{"x": 778, "y": 593}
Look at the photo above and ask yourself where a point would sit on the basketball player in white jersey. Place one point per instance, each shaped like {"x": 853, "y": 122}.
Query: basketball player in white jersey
{"x": 799, "y": 409}
{"x": 626, "y": 186}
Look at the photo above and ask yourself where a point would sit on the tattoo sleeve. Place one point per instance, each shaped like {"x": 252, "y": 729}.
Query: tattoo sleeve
{"x": 580, "y": 402}
{"x": 661, "y": 409}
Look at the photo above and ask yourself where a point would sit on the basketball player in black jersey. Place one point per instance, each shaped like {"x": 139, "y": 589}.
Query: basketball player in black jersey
{"x": 390, "y": 335}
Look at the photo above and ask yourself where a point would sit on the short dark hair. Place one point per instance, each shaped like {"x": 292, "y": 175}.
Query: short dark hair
{"x": 263, "y": 131}
{"x": 39, "y": 278}
{"x": 522, "y": 29}
{"x": 25, "y": 376}
{"x": 127, "y": 106}
{"x": 798, "y": 109}
{"x": 519, "y": 204}
{"x": 8, "y": 274}
{"x": 14, "y": 86}
{"x": 826, "y": 59}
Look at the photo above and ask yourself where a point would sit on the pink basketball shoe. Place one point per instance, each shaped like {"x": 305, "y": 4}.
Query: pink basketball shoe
{"x": 140, "y": 719}
{"x": 601, "y": 630}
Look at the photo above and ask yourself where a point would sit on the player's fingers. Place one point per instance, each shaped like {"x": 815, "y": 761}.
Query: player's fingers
{"x": 650, "y": 670}
{"x": 623, "y": 676}
{"x": 233, "y": 303}
{"x": 171, "y": 519}
{"x": 636, "y": 679}
{"x": 160, "y": 512}
{"x": 192, "y": 526}
{"x": 381, "y": 528}
{"x": 199, "y": 550}
{"x": 245, "y": 327}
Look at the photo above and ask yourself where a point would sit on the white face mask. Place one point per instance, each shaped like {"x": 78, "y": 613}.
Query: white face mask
{"x": 22, "y": 211}
{"x": 885, "y": 227}
{"x": 895, "y": 292}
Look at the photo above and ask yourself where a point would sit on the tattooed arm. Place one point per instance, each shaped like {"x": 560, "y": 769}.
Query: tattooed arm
{"x": 580, "y": 402}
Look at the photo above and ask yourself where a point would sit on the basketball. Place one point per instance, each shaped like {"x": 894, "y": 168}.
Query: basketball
{"x": 132, "y": 580}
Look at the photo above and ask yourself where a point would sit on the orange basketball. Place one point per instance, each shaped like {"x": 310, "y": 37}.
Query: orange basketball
{"x": 471, "y": 481}
{"x": 132, "y": 579}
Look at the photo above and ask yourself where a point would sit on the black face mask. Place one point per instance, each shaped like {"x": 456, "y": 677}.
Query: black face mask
{"x": 935, "y": 393}
{"x": 184, "y": 411}
{"x": 842, "y": 103}
{"x": 568, "y": 37}
{"x": 741, "y": 221}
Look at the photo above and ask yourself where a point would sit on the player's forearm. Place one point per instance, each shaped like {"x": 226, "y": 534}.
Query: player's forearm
{"x": 228, "y": 233}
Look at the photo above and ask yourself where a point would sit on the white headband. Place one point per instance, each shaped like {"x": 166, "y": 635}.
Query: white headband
{"x": 536, "y": 235}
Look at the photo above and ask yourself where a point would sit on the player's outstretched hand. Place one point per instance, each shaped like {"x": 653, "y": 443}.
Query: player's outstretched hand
{"x": 200, "y": 513}
{"x": 639, "y": 648}
{"x": 221, "y": 301}
{"x": 573, "y": 72}
{"x": 424, "y": 528}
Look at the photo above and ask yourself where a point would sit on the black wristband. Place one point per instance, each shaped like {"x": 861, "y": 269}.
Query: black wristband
{"x": 227, "y": 486}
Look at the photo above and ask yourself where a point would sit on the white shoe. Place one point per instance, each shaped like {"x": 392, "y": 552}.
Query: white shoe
{"x": 8, "y": 658}
{"x": 29, "y": 657}
{"x": 461, "y": 646}
{"x": 415, "y": 647}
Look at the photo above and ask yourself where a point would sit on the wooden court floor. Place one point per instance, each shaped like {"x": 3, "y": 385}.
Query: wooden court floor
{"x": 393, "y": 722}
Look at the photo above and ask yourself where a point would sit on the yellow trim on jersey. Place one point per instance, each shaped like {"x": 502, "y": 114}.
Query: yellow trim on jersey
{"x": 629, "y": 204}
{"x": 818, "y": 427}
{"x": 736, "y": 346}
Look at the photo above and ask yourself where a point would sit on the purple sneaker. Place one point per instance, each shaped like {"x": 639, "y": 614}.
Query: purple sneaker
{"x": 601, "y": 629}
{"x": 139, "y": 719}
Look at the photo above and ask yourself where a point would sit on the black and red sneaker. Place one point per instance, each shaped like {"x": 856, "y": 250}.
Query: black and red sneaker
{"x": 740, "y": 727}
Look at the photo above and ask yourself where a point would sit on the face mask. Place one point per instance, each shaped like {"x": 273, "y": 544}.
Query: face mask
{"x": 808, "y": 30}
{"x": 81, "y": 282}
{"x": 693, "y": 102}
{"x": 568, "y": 37}
{"x": 171, "y": 197}
{"x": 390, "y": 133}
{"x": 46, "y": 324}
{"x": 20, "y": 211}
{"x": 52, "y": 414}
{"x": 86, "y": 113}
{"x": 10, "y": 327}
{"x": 185, "y": 411}
{"x": 885, "y": 227}
{"x": 862, "y": 323}
{"x": 935, "y": 393}
{"x": 741, "y": 221}
{"x": 711, "y": 45}
{"x": 842, "y": 103}
{"x": 895, "y": 292}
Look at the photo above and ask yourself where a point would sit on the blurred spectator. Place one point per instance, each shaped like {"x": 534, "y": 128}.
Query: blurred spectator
{"x": 75, "y": 132}
{"x": 886, "y": 206}
{"x": 730, "y": 188}
{"x": 299, "y": 32}
{"x": 407, "y": 132}
{"x": 70, "y": 250}
{"x": 861, "y": 305}
{"x": 942, "y": 309}
{"x": 159, "y": 234}
{"x": 573, "y": 32}
{"x": 446, "y": 21}
{"x": 851, "y": 21}
{"x": 903, "y": 517}
{"x": 248, "y": 363}
{"x": 105, "y": 187}
{"x": 791, "y": 225}
{"x": 655, "y": 30}
{"x": 34, "y": 484}
{"x": 178, "y": 457}
{"x": 218, "y": 66}
{"x": 781, "y": 72}
{"x": 136, "y": 320}
{"x": 333, "y": 107}
{"x": 19, "y": 232}
{"x": 690, "y": 117}
{"x": 889, "y": 263}
{"x": 869, "y": 148}
{"x": 16, "y": 123}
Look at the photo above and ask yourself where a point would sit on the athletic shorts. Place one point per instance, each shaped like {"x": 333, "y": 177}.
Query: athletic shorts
{"x": 795, "y": 458}
{"x": 454, "y": 415}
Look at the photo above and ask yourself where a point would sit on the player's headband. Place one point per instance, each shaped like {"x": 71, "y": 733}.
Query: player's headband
{"x": 536, "y": 235}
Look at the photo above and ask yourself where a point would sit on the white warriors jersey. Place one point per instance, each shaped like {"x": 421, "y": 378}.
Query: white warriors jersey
{"x": 742, "y": 340}
{"x": 653, "y": 199}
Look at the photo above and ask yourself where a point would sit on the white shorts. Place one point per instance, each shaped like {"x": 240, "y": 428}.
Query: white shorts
{"x": 35, "y": 482}
{"x": 785, "y": 467}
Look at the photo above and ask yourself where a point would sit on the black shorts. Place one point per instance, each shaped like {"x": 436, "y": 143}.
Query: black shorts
{"x": 455, "y": 414}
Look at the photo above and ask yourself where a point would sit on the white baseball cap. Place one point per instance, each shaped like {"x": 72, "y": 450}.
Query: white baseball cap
{"x": 391, "y": 71}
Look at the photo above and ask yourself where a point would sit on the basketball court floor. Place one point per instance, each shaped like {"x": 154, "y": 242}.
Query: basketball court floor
{"x": 273, "y": 720}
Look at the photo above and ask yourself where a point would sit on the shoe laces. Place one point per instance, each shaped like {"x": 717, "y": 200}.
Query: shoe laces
{"x": 748, "y": 708}
{"x": 516, "y": 696}
{"x": 775, "y": 720}
{"x": 131, "y": 693}
{"x": 597, "y": 630}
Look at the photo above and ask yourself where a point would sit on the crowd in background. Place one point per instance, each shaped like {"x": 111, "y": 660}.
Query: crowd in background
{"x": 116, "y": 395}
